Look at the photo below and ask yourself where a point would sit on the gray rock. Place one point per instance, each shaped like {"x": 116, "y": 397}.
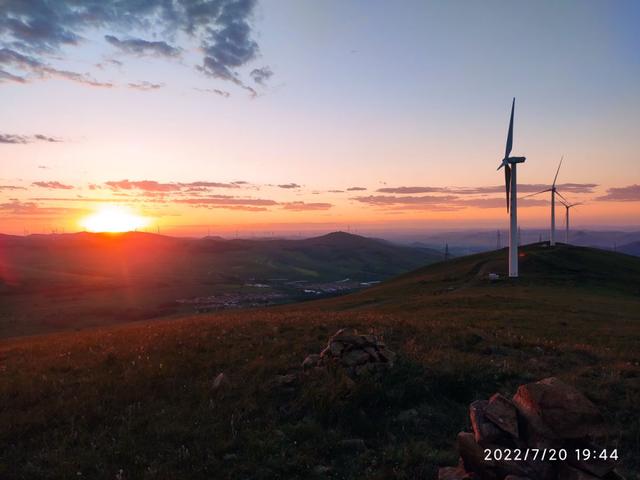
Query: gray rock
{"x": 485, "y": 432}
{"x": 502, "y": 412}
{"x": 407, "y": 416}
{"x": 220, "y": 381}
{"x": 355, "y": 357}
{"x": 311, "y": 361}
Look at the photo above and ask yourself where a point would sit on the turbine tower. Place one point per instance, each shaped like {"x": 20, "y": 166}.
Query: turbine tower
{"x": 511, "y": 186}
{"x": 554, "y": 191}
{"x": 567, "y": 206}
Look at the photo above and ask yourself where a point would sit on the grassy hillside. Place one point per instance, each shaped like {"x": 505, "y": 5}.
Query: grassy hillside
{"x": 138, "y": 400}
{"x": 57, "y": 282}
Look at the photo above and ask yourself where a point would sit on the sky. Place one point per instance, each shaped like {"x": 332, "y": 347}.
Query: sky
{"x": 238, "y": 116}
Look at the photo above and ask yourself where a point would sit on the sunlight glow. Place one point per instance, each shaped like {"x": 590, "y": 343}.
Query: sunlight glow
{"x": 113, "y": 218}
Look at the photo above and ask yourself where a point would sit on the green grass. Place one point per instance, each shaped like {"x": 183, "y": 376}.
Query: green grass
{"x": 138, "y": 398}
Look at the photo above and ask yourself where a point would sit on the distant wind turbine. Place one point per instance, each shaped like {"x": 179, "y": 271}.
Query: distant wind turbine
{"x": 554, "y": 191}
{"x": 510, "y": 182}
{"x": 567, "y": 206}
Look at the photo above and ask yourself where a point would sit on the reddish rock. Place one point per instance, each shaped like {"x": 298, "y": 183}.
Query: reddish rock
{"x": 553, "y": 409}
{"x": 311, "y": 361}
{"x": 502, "y": 412}
{"x": 472, "y": 455}
{"x": 484, "y": 431}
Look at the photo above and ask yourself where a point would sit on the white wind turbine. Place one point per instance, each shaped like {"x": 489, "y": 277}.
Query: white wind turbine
{"x": 554, "y": 191}
{"x": 567, "y": 206}
{"x": 510, "y": 182}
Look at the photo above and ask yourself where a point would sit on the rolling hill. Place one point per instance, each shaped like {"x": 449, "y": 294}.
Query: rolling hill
{"x": 56, "y": 282}
{"x": 632, "y": 248}
{"x": 140, "y": 400}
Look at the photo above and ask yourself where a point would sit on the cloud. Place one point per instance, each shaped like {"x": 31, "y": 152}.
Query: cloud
{"x": 11, "y": 187}
{"x": 146, "y": 86}
{"x": 154, "y": 186}
{"x": 289, "y": 185}
{"x": 45, "y": 29}
{"x": 52, "y": 185}
{"x": 524, "y": 188}
{"x": 261, "y": 75}
{"x": 138, "y": 46}
{"x": 622, "y": 194}
{"x": 440, "y": 202}
{"x": 32, "y": 68}
{"x": 356, "y": 189}
{"x": 302, "y": 206}
{"x": 23, "y": 139}
{"x": 221, "y": 93}
{"x": 229, "y": 203}
{"x": 16, "y": 207}
{"x": 146, "y": 185}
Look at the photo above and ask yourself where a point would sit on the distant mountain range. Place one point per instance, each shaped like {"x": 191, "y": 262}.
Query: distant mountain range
{"x": 464, "y": 242}
{"x": 94, "y": 278}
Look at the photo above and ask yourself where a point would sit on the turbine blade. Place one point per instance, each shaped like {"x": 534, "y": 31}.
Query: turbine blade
{"x": 557, "y": 171}
{"x": 507, "y": 183}
{"x": 557, "y": 192}
{"x": 507, "y": 151}
{"x": 537, "y": 193}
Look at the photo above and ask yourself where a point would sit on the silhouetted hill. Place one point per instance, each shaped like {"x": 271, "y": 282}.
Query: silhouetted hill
{"x": 631, "y": 248}
{"x": 96, "y": 279}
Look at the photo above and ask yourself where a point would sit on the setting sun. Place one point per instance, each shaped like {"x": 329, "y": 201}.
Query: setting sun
{"x": 114, "y": 219}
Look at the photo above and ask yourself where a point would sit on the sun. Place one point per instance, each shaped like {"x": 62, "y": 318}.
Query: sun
{"x": 114, "y": 219}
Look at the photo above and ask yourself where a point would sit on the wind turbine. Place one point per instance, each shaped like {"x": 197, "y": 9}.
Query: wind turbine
{"x": 554, "y": 191}
{"x": 567, "y": 206}
{"x": 510, "y": 182}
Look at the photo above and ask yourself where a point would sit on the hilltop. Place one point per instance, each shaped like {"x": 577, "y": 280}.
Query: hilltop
{"x": 139, "y": 399}
{"x": 71, "y": 281}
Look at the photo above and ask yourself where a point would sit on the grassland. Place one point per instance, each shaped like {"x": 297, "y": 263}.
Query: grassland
{"x": 137, "y": 400}
{"x": 51, "y": 283}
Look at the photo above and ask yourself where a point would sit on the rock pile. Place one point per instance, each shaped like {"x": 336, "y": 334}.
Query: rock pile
{"x": 548, "y": 415}
{"x": 356, "y": 353}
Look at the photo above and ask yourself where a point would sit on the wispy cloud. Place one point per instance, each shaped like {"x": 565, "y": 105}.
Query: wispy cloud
{"x": 11, "y": 187}
{"x": 23, "y": 139}
{"x": 524, "y": 188}
{"x": 139, "y": 46}
{"x": 289, "y": 185}
{"x": 303, "y": 207}
{"x": 52, "y": 185}
{"x": 216, "y": 91}
{"x": 146, "y": 86}
{"x": 630, "y": 193}
{"x": 356, "y": 189}
{"x": 261, "y": 75}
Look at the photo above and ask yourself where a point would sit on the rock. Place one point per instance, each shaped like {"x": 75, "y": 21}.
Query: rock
{"x": 229, "y": 457}
{"x": 372, "y": 353}
{"x": 485, "y": 432}
{"x": 472, "y": 456}
{"x": 311, "y": 361}
{"x": 551, "y": 405}
{"x": 515, "y": 477}
{"x": 386, "y": 355}
{"x": 352, "y": 445}
{"x": 596, "y": 466}
{"x": 336, "y": 348}
{"x": 220, "y": 381}
{"x": 503, "y": 413}
{"x": 355, "y": 357}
